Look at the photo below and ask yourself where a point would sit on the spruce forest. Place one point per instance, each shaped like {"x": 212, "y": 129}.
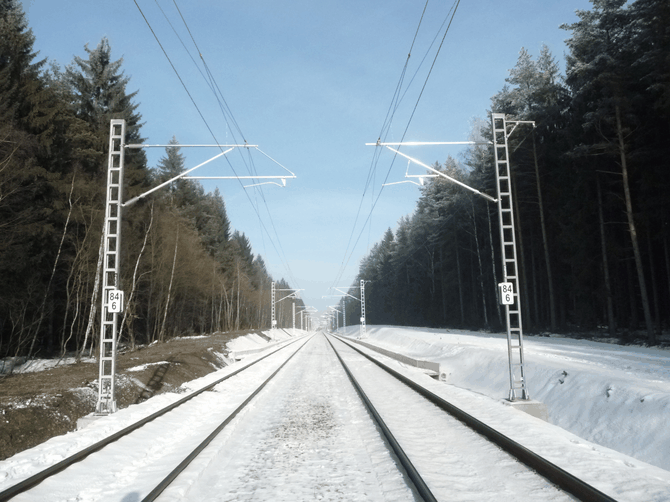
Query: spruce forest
{"x": 185, "y": 270}
{"x": 592, "y": 196}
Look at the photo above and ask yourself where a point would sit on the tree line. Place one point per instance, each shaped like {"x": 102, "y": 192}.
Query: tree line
{"x": 591, "y": 183}
{"x": 185, "y": 270}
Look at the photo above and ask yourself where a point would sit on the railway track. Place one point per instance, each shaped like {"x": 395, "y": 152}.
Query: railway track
{"x": 281, "y": 442}
{"x": 537, "y": 464}
{"x": 22, "y": 490}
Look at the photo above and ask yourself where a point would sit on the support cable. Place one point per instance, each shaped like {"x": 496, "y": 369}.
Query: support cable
{"x": 209, "y": 73}
{"x": 254, "y": 206}
{"x": 347, "y": 259}
{"x": 251, "y": 168}
{"x": 210, "y": 81}
{"x": 175, "y": 71}
{"x": 386, "y": 125}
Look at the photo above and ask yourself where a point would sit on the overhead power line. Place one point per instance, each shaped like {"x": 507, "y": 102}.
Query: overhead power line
{"x": 251, "y": 167}
{"x": 227, "y": 113}
{"x": 390, "y": 113}
{"x": 386, "y": 128}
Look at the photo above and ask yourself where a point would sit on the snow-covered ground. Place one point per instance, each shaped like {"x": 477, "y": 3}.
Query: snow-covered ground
{"x": 25, "y": 365}
{"x": 307, "y": 437}
{"x": 608, "y": 395}
{"x": 144, "y": 458}
{"x": 615, "y": 396}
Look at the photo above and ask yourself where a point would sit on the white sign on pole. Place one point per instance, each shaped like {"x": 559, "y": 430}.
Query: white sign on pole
{"x": 506, "y": 293}
{"x": 115, "y": 301}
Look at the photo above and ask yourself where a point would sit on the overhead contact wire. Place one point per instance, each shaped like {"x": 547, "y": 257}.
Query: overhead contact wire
{"x": 281, "y": 255}
{"x": 251, "y": 168}
{"x": 390, "y": 113}
{"x": 453, "y": 13}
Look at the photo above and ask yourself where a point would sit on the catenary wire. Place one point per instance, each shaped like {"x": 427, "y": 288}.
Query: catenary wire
{"x": 218, "y": 95}
{"x": 346, "y": 260}
{"x": 225, "y": 110}
{"x": 280, "y": 254}
{"x": 229, "y": 117}
{"x": 227, "y": 113}
{"x": 386, "y": 129}
{"x": 210, "y": 82}
{"x": 251, "y": 167}
{"x": 209, "y": 73}
{"x": 390, "y": 113}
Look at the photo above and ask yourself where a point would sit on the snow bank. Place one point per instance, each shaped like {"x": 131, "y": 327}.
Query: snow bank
{"x": 25, "y": 365}
{"x": 249, "y": 341}
{"x": 253, "y": 343}
{"x": 142, "y": 367}
{"x": 614, "y": 396}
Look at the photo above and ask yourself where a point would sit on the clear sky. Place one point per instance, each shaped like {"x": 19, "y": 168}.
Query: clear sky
{"x": 309, "y": 82}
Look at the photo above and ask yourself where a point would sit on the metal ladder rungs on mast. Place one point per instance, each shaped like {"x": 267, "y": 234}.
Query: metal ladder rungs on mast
{"x": 509, "y": 254}
{"x": 110, "y": 271}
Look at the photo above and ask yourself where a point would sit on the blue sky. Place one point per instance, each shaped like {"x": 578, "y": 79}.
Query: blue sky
{"x": 310, "y": 82}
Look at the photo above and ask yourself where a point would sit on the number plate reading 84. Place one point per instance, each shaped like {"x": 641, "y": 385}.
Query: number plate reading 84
{"x": 506, "y": 293}
{"x": 115, "y": 301}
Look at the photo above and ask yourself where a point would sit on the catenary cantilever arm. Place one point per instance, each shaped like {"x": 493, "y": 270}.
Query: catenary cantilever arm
{"x": 135, "y": 199}
{"x": 453, "y": 180}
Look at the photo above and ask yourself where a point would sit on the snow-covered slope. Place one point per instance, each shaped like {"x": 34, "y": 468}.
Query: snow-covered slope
{"x": 614, "y": 396}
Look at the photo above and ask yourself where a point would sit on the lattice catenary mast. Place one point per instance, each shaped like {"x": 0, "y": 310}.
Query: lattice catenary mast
{"x": 508, "y": 290}
{"x": 112, "y": 298}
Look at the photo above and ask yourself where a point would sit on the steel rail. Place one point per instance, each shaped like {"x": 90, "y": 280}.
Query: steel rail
{"x": 37, "y": 478}
{"x": 407, "y": 464}
{"x": 550, "y": 471}
{"x": 160, "y": 487}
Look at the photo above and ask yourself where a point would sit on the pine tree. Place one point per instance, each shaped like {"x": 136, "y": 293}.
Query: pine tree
{"x": 27, "y": 233}
{"x": 96, "y": 92}
{"x": 245, "y": 252}
{"x": 99, "y": 95}
{"x": 215, "y": 230}
{"x": 604, "y": 84}
{"x": 538, "y": 96}
{"x": 171, "y": 165}
{"x": 183, "y": 194}
{"x": 19, "y": 75}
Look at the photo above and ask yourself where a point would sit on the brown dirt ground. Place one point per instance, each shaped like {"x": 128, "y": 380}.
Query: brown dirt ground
{"x": 37, "y": 406}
